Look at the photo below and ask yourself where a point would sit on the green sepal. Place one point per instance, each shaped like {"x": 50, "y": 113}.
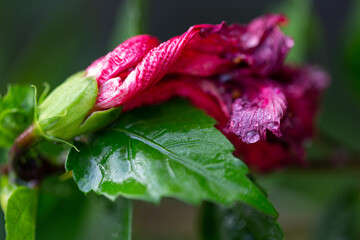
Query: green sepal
{"x": 65, "y": 109}
{"x": 64, "y": 114}
{"x": 98, "y": 119}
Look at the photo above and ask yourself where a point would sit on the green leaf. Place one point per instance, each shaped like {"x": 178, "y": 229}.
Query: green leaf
{"x": 238, "y": 222}
{"x": 171, "y": 150}
{"x": 6, "y": 190}
{"x": 20, "y": 212}
{"x": 16, "y": 113}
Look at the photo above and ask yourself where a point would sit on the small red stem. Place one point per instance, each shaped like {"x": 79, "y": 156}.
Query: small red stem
{"x": 26, "y": 138}
{"x": 21, "y": 144}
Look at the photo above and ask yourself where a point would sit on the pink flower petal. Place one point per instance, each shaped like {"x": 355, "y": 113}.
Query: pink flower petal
{"x": 201, "y": 93}
{"x": 149, "y": 71}
{"x": 259, "y": 46}
{"x": 95, "y": 67}
{"x": 263, "y": 46}
{"x": 265, "y": 155}
{"x": 260, "y": 109}
{"x": 126, "y": 55}
{"x": 201, "y": 64}
{"x": 302, "y": 88}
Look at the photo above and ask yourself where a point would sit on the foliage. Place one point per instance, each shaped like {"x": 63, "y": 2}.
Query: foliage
{"x": 16, "y": 113}
{"x": 168, "y": 150}
{"x": 19, "y": 204}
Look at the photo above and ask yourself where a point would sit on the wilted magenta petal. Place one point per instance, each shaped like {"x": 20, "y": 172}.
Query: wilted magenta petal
{"x": 204, "y": 50}
{"x": 264, "y": 46}
{"x": 265, "y": 155}
{"x": 202, "y": 93}
{"x": 257, "y": 30}
{"x": 302, "y": 88}
{"x": 259, "y": 46}
{"x": 150, "y": 70}
{"x": 201, "y": 64}
{"x": 268, "y": 57}
{"x": 235, "y": 73}
{"x": 260, "y": 109}
{"x": 125, "y": 56}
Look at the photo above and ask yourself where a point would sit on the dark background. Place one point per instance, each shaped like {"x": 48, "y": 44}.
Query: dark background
{"x": 47, "y": 41}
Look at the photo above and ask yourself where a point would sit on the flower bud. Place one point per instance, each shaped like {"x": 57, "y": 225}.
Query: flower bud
{"x": 66, "y": 112}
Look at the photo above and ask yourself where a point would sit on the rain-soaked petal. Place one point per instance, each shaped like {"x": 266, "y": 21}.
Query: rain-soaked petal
{"x": 263, "y": 46}
{"x": 260, "y": 47}
{"x": 259, "y": 110}
{"x": 302, "y": 88}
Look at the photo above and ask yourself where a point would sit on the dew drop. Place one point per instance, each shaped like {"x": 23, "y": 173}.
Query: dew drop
{"x": 237, "y": 107}
{"x": 256, "y": 124}
{"x": 252, "y": 137}
{"x": 268, "y": 117}
{"x": 272, "y": 125}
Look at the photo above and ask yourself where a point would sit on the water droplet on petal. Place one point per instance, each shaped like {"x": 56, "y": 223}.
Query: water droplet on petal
{"x": 252, "y": 137}
{"x": 272, "y": 125}
{"x": 256, "y": 124}
{"x": 268, "y": 117}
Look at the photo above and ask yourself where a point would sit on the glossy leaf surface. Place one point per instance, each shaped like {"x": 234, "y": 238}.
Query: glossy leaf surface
{"x": 171, "y": 150}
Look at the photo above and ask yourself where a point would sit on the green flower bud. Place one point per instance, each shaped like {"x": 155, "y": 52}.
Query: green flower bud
{"x": 64, "y": 114}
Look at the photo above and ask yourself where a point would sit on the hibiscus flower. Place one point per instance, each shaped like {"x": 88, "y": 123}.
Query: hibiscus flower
{"x": 236, "y": 73}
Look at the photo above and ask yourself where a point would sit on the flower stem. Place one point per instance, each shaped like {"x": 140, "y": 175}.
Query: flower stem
{"x": 21, "y": 145}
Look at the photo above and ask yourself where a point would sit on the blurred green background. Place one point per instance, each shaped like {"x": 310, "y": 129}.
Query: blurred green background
{"x": 46, "y": 41}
